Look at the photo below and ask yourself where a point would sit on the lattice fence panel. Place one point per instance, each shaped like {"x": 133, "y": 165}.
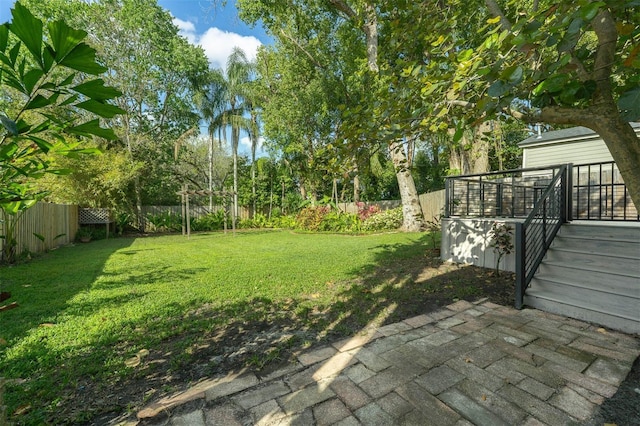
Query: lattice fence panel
{"x": 92, "y": 216}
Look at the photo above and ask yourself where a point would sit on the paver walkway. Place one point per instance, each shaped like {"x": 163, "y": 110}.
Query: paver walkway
{"x": 470, "y": 363}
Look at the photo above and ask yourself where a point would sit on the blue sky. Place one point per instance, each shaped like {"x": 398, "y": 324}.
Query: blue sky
{"x": 203, "y": 23}
{"x": 218, "y": 30}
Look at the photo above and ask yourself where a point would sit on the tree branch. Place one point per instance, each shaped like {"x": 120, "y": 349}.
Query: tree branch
{"x": 605, "y": 28}
{"x": 558, "y": 115}
{"x": 583, "y": 74}
{"x": 299, "y": 46}
{"x": 344, "y": 8}
{"x": 497, "y": 11}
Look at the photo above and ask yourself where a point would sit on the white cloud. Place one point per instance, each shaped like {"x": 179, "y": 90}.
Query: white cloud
{"x": 186, "y": 29}
{"x": 245, "y": 143}
{"x": 218, "y": 44}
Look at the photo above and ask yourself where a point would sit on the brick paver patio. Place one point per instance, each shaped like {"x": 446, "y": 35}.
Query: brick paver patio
{"x": 470, "y": 363}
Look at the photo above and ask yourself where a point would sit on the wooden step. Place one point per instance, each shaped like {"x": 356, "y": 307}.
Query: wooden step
{"x": 549, "y": 304}
{"x": 615, "y": 230}
{"x": 595, "y": 262}
{"x": 591, "y": 272}
{"x": 625, "y": 247}
{"x": 594, "y": 280}
{"x": 612, "y": 303}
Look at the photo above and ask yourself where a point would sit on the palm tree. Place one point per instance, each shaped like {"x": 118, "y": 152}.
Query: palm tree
{"x": 238, "y": 74}
{"x": 212, "y": 102}
{"x": 223, "y": 104}
{"x": 254, "y": 135}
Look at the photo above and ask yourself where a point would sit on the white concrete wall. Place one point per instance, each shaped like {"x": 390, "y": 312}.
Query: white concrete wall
{"x": 467, "y": 241}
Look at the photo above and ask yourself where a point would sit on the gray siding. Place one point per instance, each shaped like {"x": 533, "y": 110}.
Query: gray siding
{"x": 576, "y": 152}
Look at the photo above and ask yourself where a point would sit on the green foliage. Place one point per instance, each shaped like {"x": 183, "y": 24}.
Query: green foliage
{"x": 258, "y": 221}
{"x": 165, "y": 221}
{"x": 123, "y": 220}
{"x": 310, "y": 218}
{"x": 284, "y": 222}
{"x": 384, "y": 221}
{"x": 337, "y": 221}
{"x": 210, "y": 222}
{"x": 39, "y": 74}
{"x": 501, "y": 241}
{"x": 434, "y": 228}
{"x": 84, "y": 233}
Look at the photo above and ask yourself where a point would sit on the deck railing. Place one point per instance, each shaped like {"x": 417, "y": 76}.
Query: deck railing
{"x": 599, "y": 193}
{"x": 534, "y": 236}
{"x": 543, "y": 198}
{"x": 510, "y": 193}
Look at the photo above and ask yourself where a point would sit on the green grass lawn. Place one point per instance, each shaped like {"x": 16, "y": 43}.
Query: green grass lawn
{"x": 105, "y": 327}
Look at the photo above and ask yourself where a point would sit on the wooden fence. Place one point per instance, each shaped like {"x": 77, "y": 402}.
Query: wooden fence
{"x": 56, "y": 223}
{"x": 432, "y": 205}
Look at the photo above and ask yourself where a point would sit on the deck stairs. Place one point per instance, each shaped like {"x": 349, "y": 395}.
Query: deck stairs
{"x": 591, "y": 272}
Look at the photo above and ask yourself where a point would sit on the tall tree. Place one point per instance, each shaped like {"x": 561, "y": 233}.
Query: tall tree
{"x": 355, "y": 34}
{"x": 238, "y": 75}
{"x": 562, "y": 63}
{"x": 153, "y": 67}
{"x": 45, "y": 83}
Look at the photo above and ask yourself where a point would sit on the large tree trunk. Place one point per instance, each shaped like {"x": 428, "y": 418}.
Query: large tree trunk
{"x": 471, "y": 154}
{"x": 480, "y": 148}
{"x": 411, "y": 210}
{"x": 624, "y": 146}
{"x": 235, "y": 138}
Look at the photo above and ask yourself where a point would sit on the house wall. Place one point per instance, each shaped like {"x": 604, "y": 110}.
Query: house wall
{"x": 467, "y": 241}
{"x": 592, "y": 150}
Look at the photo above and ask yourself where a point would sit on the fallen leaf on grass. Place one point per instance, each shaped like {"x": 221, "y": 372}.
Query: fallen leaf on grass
{"x": 135, "y": 360}
{"x": 47, "y": 324}
{"x": 484, "y": 397}
{"x": 2, "y": 341}
{"x": 21, "y": 410}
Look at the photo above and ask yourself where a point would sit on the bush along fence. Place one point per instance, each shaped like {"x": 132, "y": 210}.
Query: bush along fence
{"x": 341, "y": 217}
{"x": 39, "y": 228}
{"x": 46, "y": 225}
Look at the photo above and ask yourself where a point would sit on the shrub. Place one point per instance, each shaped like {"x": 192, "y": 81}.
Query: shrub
{"x": 284, "y": 222}
{"x": 311, "y": 217}
{"x": 259, "y": 221}
{"x": 384, "y": 221}
{"x": 165, "y": 221}
{"x": 336, "y": 221}
{"x": 364, "y": 211}
{"x": 210, "y": 222}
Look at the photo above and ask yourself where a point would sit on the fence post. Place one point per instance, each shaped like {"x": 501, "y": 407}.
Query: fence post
{"x": 566, "y": 211}
{"x": 3, "y": 408}
{"x": 521, "y": 256}
{"x": 447, "y": 189}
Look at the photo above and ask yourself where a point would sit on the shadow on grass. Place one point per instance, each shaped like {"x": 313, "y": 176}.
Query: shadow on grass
{"x": 42, "y": 288}
{"x": 189, "y": 342}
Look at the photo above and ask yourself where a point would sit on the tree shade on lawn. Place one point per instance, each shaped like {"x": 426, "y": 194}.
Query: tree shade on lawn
{"x": 199, "y": 306}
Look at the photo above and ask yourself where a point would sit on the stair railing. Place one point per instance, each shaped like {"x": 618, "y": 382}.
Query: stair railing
{"x": 534, "y": 236}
